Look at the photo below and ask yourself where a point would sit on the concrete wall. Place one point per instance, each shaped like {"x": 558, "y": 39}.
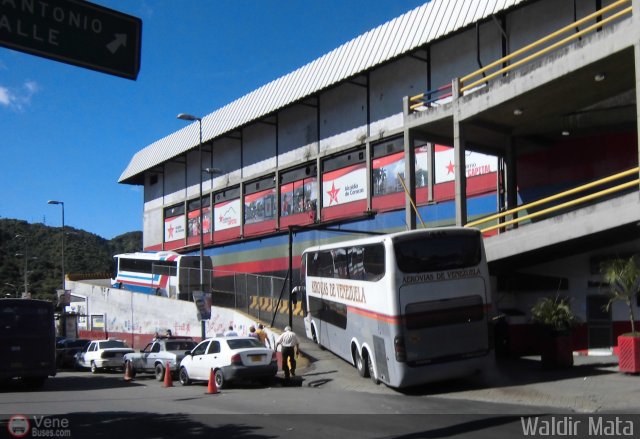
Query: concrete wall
{"x": 135, "y": 317}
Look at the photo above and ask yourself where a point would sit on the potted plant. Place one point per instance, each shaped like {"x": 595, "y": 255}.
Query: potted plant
{"x": 623, "y": 277}
{"x": 555, "y": 319}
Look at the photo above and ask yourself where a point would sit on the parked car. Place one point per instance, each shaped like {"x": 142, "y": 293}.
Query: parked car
{"x": 66, "y": 350}
{"x": 155, "y": 356}
{"x": 102, "y": 354}
{"x": 231, "y": 358}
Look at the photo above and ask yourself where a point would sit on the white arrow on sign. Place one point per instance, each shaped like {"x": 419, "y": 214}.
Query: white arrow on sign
{"x": 120, "y": 40}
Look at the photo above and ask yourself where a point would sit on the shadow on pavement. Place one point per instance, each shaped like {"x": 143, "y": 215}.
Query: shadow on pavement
{"x": 514, "y": 372}
{"x": 66, "y": 383}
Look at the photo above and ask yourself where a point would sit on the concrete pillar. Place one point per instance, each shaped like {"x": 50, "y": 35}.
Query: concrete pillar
{"x": 512, "y": 176}
{"x": 459, "y": 157}
{"x": 409, "y": 178}
{"x": 636, "y": 49}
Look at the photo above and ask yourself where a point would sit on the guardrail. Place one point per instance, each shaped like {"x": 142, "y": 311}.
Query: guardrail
{"x": 580, "y": 200}
{"x": 469, "y": 82}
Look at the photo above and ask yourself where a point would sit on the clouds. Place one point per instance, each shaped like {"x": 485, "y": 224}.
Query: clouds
{"x": 18, "y": 98}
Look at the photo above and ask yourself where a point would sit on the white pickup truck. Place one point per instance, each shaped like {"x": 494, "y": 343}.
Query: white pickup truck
{"x": 155, "y": 356}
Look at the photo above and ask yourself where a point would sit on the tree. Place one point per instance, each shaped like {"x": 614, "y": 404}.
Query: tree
{"x": 623, "y": 277}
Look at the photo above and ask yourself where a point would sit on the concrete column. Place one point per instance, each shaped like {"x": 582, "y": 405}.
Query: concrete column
{"x": 431, "y": 171}
{"x": 636, "y": 49}
{"x": 409, "y": 178}
{"x": 512, "y": 176}
{"x": 459, "y": 157}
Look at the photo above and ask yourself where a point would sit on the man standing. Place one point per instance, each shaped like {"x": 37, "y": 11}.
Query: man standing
{"x": 290, "y": 349}
{"x": 262, "y": 336}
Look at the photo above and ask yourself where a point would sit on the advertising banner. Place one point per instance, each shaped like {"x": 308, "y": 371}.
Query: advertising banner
{"x": 174, "y": 228}
{"x": 260, "y": 206}
{"x": 226, "y": 215}
{"x": 194, "y": 220}
{"x": 476, "y": 164}
{"x": 344, "y": 185}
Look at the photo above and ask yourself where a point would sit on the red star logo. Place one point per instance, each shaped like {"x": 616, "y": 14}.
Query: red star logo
{"x": 450, "y": 168}
{"x": 333, "y": 194}
{"x": 170, "y": 230}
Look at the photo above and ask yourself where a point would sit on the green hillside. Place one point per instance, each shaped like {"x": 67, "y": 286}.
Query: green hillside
{"x": 84, "y": 253}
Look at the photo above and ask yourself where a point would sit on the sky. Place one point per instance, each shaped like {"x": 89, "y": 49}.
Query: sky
{"x": 67, "y": 133}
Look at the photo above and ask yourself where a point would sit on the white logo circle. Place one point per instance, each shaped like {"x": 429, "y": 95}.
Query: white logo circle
{"x": 18, "y": 426}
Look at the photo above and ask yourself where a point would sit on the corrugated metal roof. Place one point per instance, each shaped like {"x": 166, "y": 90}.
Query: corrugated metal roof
{"x": 417, "y": 27}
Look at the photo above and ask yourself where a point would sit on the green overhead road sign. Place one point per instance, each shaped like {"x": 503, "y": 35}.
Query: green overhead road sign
{"x": 75, "y": 32}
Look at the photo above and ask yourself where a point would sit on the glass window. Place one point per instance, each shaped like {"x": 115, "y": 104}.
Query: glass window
{"x": 214, "y": 347}
{"x": 241, "y": 343}
{"x": 437, "y": 251}
{"x": 201, "y": 348}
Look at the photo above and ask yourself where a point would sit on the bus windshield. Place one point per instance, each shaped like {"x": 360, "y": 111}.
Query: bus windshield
{"x": 437, "y": 252}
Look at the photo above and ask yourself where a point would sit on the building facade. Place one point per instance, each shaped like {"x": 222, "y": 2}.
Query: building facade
{"x": 450, "y": 113}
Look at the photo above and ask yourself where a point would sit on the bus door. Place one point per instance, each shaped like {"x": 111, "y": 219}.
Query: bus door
{"x": 444, "y": 320}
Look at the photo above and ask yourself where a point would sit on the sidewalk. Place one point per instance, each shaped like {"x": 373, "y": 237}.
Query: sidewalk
{"x": 592, "y": 385}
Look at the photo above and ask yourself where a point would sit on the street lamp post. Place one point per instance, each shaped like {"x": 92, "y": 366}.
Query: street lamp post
{"x": 26, "y": 264}
{"x": 189, "y": 117}
{"x": 64, "y": 286}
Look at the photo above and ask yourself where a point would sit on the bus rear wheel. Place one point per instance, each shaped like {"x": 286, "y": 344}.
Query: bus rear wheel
{"x": 361, "y": 365}
{"x": 370, "y": 370}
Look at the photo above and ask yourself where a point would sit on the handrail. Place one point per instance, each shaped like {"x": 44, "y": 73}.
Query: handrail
{"x": 583, "y": 199}
{"x": 547, "y": 49}
{"x": 418, "y": 101}
{"x": 537, "y": 43}
{"x": 406, "y": 191}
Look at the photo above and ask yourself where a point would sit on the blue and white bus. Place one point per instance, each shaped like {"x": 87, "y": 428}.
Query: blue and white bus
{"x": 167, "y": 274}
{"x": 404, "y": 308}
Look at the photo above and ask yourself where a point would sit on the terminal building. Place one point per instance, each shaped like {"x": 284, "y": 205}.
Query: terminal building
{"x": 518, "y": 117}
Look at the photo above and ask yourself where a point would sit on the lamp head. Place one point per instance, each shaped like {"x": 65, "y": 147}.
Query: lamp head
{"x": 185, "y": 116}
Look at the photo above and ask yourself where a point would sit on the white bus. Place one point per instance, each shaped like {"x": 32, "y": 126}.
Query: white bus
{"x": 167, "y": 274}
{"x": 405, "y": 308}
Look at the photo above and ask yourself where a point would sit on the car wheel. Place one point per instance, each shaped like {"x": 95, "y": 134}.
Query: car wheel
{"x": 94, "y": 368}
{"x": 219, "y": 377}
{"x": 159, "y": 371}
{"x": 183, "y": 376}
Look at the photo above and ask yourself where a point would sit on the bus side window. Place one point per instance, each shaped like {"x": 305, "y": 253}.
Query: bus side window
{"x": 356, "y": 263}
{"x": 325, "y": 264}
{"x": 341, "y": 263}
{"x": 374, "y": 262}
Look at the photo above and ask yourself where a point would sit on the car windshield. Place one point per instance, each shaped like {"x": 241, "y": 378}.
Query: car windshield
{"x": 240, "y": 343}
{"x": 180, "y": 345}
{"x": 112, "y": 344}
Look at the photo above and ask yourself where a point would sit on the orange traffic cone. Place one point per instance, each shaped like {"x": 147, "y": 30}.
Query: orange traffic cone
{"x": 212, "y": 388}
{"x": 128, "y": 372}
{"x": 168, "y": 381}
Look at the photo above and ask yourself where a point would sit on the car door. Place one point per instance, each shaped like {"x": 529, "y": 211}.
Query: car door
{"x": 212, "y": 359}
{"x": 196, "y": 368}
{"x": 87, "y": 356}
{"x": 140, "y": 361}
{"x": 152, "y": 356}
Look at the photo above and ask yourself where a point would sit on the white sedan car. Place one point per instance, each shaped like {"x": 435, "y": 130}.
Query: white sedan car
{"x": 102, "y": 354}
{"x": 231, "y": 358}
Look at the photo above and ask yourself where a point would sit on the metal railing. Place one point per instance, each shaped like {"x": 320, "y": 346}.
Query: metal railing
{"x": 581, "y": 200}
{"x": 469, "y": 82}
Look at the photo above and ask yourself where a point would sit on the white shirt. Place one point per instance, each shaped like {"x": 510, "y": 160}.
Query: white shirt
{"x": 231, "y": 334}
{"x": 287, "y": 339}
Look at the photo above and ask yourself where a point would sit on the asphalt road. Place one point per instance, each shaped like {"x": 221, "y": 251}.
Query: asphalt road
{"x": 79, "y": 404}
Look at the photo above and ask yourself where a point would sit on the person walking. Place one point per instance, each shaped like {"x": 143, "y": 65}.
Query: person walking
{"x": 290, "y": 349}
{"x": 262, "y": 336}
{"x": 253, "y": 333}
{"x": 230, "y": 332}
